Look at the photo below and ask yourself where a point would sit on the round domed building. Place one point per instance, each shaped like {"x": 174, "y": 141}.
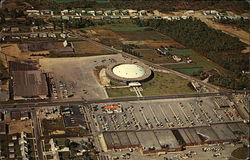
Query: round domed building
{"x": 128, "y": 72}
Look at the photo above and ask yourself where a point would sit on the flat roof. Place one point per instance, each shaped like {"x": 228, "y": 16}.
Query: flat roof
{"x": 30, "y": 83}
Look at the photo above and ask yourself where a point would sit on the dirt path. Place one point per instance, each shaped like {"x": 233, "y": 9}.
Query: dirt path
{"x": 235, "y": 32}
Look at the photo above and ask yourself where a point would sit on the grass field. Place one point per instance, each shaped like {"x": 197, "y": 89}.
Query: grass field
{"x": 161, "y": 84}
{"x": 166, "y": 84}
{"x": 200, "y": 63}
{"x": 189, "y": 71}
{"x": 120, "y": 92}
{"x": 183, "y": 52}
{"x": 152, "y": 56}
{"x": 117, "y": 28}
{"x": 88, "y": 49}
{"x": 142, "y": 35}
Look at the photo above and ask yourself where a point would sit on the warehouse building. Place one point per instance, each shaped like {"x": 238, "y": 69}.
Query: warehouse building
{"x": 29, "y": 84}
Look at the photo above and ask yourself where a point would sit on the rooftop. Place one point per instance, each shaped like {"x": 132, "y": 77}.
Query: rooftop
{"x": 29, "y": 83}
{"x": 129, "y": 71}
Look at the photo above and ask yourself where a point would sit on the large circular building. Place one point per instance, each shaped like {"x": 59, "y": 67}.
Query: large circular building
{"x": 128, "y": 72}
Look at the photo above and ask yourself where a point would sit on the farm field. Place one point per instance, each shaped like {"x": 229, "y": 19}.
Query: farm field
{"x": 142, "y": 35}
{"x": 117, "y": 28}
{"x": 87, "y": 49}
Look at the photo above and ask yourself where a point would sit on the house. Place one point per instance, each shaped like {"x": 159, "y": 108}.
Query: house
{"x": 99, "y": 12}
{"x": 91, "y": 13}
{"x": 63, "y": 12}
{"x": 14, "y": 138}
{"x": 115, "y": 12}
{"x": 3, "y": 128}
{"x": 176, "y": 58}
{"x": 34, "y": 28}
{"x": 142, "y": 13}
{"x": 43, "y": 35}
{"x": 33, "y": 35}
{"x": 1, "y": 116}
{"x": 52, "y": 35}
{"x": 65, "y": 17}
{"x": 33, "y": 12}
{"x": 11, "y": 150}
{"x": 190, "y": 12}
{"x": 14, "y": 29}
{"x": 12, "y": 156}
{"x": 63, "y": 35}
{"x": 107, "y": 13}
{"x": 11, "y": 144}
{"x": 25, "y": 116}
{"x": 15, "y": 116}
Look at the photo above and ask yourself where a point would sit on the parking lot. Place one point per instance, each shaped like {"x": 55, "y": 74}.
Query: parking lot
{"x": 163, "y": 114}
{"x": 78, "y": 80}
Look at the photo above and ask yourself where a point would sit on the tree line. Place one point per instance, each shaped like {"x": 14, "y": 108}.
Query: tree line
{"x": 239, "y": 23}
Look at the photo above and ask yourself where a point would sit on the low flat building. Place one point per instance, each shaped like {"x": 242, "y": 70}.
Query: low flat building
{"x": 29, "y": 84}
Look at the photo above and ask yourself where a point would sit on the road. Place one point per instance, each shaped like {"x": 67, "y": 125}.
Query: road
{"x": 27, "y": 105}
{"x": 37, "y": 130}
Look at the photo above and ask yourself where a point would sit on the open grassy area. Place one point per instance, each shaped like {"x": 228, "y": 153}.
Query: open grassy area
{"x": 166, "y": 84}
{"x": 85, "y": 48}
{"x": 50, "y": 126}
{"x": 241, "y": 153}
{"x": 118, "y": 28}
{"x": 190, "y": 71}
{"x": 183, "y": 52}
{"x": 152, "y": 56}
{"x": 161, "y": 84}
{"x": 120, "y": 92}
{"x": 200, "y": 63}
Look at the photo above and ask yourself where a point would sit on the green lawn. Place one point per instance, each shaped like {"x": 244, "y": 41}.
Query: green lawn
{"x": 183, "y": 52}
{"x": 189, "y": 71}
{"x": 118, "y": 28}
{"x": 166, "y": 84}
{"x": 161, "y": 84}
{"x": 120, "y": 92}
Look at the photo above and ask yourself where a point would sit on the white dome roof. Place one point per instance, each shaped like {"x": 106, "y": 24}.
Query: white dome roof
{"x": 128, "y": 71}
